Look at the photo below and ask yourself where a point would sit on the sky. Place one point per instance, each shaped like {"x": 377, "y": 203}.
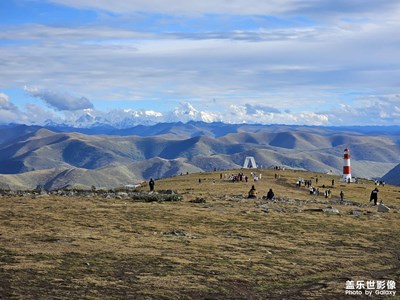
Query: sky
{"x": 306, "y": 62}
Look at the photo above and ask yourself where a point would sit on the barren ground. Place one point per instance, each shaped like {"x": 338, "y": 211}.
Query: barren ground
{"x": 229, "y": 247}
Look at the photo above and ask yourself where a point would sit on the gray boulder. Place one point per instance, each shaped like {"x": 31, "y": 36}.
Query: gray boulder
{"x": 383, "y": 208}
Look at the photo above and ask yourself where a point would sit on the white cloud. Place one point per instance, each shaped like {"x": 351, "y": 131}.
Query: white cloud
{"x": 372, "y": 110}
{"x": 185, "y": 7}
{"x": 29, "y": 114}
{"x": 95, "y": 61}
{"x": 187, "y": 112}
{"x": 283, "y": 74}
{"x": 35, "y": 114}
{"x": 256, "y": 109}
{"x": 239, "y": 7}
{"x": 60, "y": 101}
{"x": 384, "y": 110}
{"x": 240, "y": 114}
{"x": 5, "y": 104}
{"x": 9, "y": 113}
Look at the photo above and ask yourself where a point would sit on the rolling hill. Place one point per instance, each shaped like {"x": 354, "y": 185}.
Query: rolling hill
{"x": 393, "y": 176}
{"x": 34, "y": 155}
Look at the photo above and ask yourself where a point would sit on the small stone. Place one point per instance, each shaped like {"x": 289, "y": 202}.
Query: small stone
{"x": 383, "y": 208}
{"x": 356, "y": 213}
{"x": 331, "y": 210}
{"x": 198, "y": 200}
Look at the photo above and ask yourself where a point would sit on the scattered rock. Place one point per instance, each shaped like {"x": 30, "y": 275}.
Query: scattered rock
{"x": 177, "y": 232}
{"x": 198, "y": 200}
{"x": 356, "y": 213}
{"x": 383, "y": 208}
{"x": 181, "y": 233}
{"x": 331, "y": 210}
{"x": 328, "y": 210}
{"x": 313, "y": 209}
{"x": 170, "y": 192}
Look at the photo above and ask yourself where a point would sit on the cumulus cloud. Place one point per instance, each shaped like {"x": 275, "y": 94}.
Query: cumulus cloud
{"x": 35, "y": 114}
{"x": 9, "y": 113}
{"x": 370, "y": 110}
{"x": 29, "y": 114}
{"x": 5, "y": 104}
{"x": 60, "y": 101}
{"x": 255, "y": 109}
{"x": 240, "y": 114}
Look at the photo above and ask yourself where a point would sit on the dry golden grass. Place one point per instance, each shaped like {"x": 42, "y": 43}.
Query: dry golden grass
{"x": 95, "y": 248}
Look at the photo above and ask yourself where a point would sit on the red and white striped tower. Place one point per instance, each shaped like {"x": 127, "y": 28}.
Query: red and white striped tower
{"x": 346, "y": 166}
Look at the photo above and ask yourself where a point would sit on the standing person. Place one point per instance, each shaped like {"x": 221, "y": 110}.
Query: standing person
{"x": 151, "y": 184}
{"x": 341, "y": 196}
{"x": 333, "y": 182}
{"x": 252, "y": 192}
{"x": 374, "y": 196}
{"x": 270, "y": 195}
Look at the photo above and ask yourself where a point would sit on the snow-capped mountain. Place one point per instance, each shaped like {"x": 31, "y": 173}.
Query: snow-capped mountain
{"x": 126, "y": 118}
{"x": 186, "y": 112}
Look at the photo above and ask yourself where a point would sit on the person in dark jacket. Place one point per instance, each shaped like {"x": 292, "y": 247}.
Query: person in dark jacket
{"x": 374, "y": 196}
{"x": 270, "y": 195}
{"x": 151, "y": 184}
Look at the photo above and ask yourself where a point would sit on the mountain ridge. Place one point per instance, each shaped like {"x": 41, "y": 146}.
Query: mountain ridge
{"x": 177, "y": 148}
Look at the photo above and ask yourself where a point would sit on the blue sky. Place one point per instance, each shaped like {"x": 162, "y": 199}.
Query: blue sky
{"x": 332, "y": 62}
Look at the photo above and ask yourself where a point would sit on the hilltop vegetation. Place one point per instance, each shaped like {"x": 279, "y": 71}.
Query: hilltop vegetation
{"x": 215, "y": 243}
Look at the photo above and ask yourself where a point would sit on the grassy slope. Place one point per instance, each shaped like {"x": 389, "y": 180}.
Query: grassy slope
{"x": 97, "y": 248}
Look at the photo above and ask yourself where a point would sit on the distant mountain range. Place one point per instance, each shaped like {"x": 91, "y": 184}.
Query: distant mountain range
{"x": 127, "y": 118}
{"x": 105, "y": 156}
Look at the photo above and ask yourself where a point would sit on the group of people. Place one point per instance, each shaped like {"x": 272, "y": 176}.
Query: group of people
{"x": 235, "y": 177}
{"x": 270, "y": 194}
{"x": 253, "y": 194}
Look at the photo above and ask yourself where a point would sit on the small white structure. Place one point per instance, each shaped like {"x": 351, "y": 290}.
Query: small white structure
{"x": 249, "y": 160}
